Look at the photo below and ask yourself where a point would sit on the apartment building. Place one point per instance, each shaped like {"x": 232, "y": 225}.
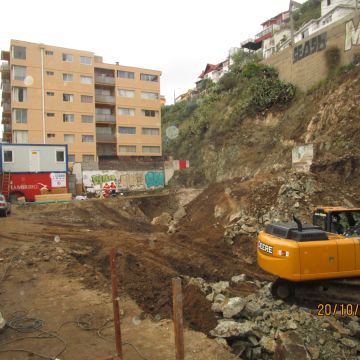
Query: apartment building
{"x": 53, "y": 95}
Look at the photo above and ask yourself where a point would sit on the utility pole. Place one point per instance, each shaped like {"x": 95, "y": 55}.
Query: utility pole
{"x": 292, "y": 23}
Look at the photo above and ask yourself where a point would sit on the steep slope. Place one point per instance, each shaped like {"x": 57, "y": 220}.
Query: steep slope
{"x": 262, "y": 143}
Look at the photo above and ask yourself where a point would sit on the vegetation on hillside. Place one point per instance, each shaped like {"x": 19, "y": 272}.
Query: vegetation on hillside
{"x": 247, "y": 89}
{"x": 309, "y": 10}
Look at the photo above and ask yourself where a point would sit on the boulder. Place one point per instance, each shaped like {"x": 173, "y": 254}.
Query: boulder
{"x": 238, "y": 278}
{"x": 291, "y": 347}
{"x": 233, "y": 307}
{"x": 349, "y": 343}
{"x": 229, "y": 328}
{"x": 164, "y": 219}
{"x": 268, "y": 344}
{"x": 220, "y": 286}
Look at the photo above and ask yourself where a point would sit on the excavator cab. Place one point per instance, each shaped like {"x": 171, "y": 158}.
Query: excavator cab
{"x": 338, "y": 220}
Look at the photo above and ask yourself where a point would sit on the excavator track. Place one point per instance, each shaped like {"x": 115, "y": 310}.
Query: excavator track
{"x": 337, "y": 291}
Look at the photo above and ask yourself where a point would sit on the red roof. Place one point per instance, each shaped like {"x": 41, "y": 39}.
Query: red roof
{"x": 210, "y": 68}
{"x": 274, "y": 20}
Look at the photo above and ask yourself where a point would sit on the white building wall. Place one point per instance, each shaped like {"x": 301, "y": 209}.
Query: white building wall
{"x": 325, "y": 8}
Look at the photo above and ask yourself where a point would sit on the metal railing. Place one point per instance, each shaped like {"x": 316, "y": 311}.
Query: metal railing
{"x": 105, "y": 99}
{"x": 104, "y": 80}
{"x": 106, "y": 137}
{"x": 105, "y": 118}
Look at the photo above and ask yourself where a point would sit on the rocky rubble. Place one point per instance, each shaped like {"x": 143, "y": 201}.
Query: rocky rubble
{"x": 165, "y": 219}
{"x": 259, "y": 327}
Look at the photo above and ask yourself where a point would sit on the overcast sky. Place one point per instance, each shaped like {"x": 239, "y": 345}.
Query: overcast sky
{"x": 176, "y": 37}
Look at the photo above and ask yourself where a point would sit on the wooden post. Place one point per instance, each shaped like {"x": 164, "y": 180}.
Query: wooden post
{"x": 178, "y": 318}
{"x": 116, "y": 308}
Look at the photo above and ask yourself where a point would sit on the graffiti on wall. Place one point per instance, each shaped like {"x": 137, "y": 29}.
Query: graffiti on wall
{"x": 124, "y": 180}
{"x": 100, "y": 179}
{"x": 309, "y": 47}
{"x": 352, "y": 35}
{"x": 154, "y": 179}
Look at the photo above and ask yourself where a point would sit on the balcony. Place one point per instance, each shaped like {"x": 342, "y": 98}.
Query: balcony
{"x": 6, "y": 107}
{"x": 7, "y": 128}
{"x": 5, "y": 86}
{"x": 6, "y": 119}
{"x": 5, "y": 55}
{"x": 105, "y": 99}
{"x": 105, "y": 118}
{"x": 265, "y": 34}
{"x": 4, "y": 67}
{"x": 104, "y": 80}
{"x": 106, "y": 138}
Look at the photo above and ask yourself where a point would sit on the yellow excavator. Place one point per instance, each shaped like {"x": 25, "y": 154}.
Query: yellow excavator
{"x": 310, "y": 259}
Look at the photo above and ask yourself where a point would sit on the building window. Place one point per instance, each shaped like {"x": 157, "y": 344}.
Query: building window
{"x": 125, "y": 74}
{"x": 149, "y": 77}
{"x": 50, "y": 135}
{"x": 69, "y": 118}
{"x": 87, "y": 138}
{"x": 21, "y": 137}
{"x": 151, "y": 149}
{"x": 86, "y": 60}
{"x": 19, "y": 94}
{"x": 87, "y": 119}
{"x": 127, "y": 130}
{"x": 126, "y": 112}
{"x": 150, "y": 113}
{"x": 8, "y": 156}
{"x": 68, "y": 97}
{"x": 88, "y": 158}
{"x": 50, "y": 73}
{"x": 126, "y": 93}
{"x": 86, "y": 79}
{"x": 20, "y": 116}
{"x": 67, "y": 57}
{"x": 49, "y": 52}
{"x": 50, "y": 114}
{"x": 69, "y": 138}
{"x": 86, "y": 99}
{"x": 149, "y": 95}
{"x": 60, "y": 156}
{"x": 71, "y": 157}
{"x": 68, "y": 77}
{"x": 19, "y": 72}
{"x": 19, "y": 52}
{"x": 150, "y": 131}
{"x": 127, "y": 148}
{"x": 50, "y": 93}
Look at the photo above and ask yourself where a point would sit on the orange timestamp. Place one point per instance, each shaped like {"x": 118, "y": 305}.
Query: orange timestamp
{"x": 338, "y": 309}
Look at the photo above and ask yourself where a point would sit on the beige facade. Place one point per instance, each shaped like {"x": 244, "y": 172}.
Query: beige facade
{"x": 56, "y": 95}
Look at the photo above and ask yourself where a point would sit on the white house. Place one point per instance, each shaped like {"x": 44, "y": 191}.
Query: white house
{"x": 331, "y": 11}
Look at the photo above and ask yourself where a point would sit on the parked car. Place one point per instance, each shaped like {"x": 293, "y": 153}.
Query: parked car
{"x": 5, "y": 207}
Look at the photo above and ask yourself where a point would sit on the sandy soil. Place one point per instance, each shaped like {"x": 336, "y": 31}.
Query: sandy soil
{"x": 59, "y": 271}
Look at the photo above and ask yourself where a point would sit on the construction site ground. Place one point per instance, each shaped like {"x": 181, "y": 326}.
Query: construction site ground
{"x": 55, "y": 267}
